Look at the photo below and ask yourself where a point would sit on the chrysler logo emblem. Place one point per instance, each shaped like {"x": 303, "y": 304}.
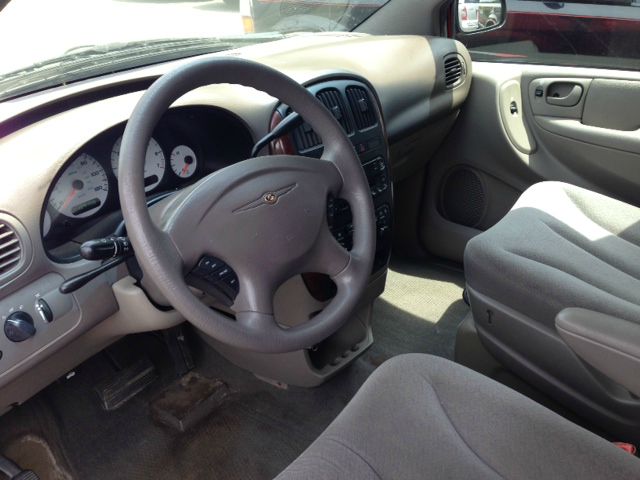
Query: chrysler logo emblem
{"x": 270, "y": 198}
{"x": 267, "y": 198}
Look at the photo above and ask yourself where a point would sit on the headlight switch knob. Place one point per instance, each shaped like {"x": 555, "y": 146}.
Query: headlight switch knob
{"x": 19, "y": 327}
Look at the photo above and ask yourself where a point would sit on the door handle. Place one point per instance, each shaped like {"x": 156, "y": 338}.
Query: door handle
{"x": 564, "y": 94}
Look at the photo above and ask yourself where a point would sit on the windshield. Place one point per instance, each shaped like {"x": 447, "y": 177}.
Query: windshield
{"x": 53, "y": 42}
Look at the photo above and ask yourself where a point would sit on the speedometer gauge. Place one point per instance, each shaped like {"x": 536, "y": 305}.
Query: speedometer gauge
{"x": 183, "y": 161}
{"x": 82, "y": 188}
{"x": 154, "y": 163}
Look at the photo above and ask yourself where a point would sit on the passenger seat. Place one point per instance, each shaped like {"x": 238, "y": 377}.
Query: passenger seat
{"x": 555, "y": 294}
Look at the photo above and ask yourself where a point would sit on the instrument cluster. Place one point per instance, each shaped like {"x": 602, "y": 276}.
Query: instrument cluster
{"x": 188, "y": 144}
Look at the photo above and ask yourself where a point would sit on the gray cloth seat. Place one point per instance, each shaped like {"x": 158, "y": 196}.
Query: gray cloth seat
{"x": 420, "y": 416}
{"x": 560, "y": 246}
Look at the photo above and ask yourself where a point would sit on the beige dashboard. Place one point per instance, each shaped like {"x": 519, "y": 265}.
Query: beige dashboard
{"x": 40, "y": 133}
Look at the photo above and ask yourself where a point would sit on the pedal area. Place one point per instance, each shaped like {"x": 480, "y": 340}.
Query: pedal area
{"x": 151, "y": 373}
{"x": 11, "y": 471}
{"x": 186, "y": 399}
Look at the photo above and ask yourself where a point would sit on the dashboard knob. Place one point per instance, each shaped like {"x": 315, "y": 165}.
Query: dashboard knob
{"x": 18, "y": 327}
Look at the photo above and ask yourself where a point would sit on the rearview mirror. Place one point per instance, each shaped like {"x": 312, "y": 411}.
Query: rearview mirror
{"x": 478, "y": 15}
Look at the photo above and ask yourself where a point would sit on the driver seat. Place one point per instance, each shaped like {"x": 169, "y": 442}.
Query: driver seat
{"x": 420, "y": 416}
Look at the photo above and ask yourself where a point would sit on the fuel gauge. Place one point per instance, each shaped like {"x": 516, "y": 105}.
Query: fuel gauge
{"x": 183, "y": 161}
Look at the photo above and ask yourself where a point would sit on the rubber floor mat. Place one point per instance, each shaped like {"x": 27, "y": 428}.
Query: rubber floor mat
{"x": 188, "y": 401}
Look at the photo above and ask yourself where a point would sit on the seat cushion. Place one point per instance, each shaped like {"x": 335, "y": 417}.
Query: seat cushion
{"x": 421, "y": 417}
{"x": 560, "y": 246}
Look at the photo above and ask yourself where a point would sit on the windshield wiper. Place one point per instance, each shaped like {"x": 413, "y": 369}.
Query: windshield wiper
{"x": 89, "y": 61}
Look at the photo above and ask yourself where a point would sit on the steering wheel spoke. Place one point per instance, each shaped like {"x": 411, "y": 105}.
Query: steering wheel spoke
{"x": 256, "y": 292}
{"x": 330, "y": 175}
{"x": 328, "y": 256}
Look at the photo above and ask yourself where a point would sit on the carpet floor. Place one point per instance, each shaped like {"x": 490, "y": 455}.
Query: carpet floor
{"x": 257, "y": 431}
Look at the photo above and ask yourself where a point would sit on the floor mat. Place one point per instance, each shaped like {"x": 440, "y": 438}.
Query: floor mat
{"x": 34, "y": 453}
{"x": 30, "y": 436}
{"x": 259, "y": 429}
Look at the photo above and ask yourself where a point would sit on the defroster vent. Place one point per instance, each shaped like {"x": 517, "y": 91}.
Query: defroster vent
{"x": 453, "y": 71}
{"x": 10, "y": 249}
{"x": 361, "y": 106}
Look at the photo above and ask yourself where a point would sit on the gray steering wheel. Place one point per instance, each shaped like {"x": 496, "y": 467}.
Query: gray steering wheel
{"x": 265, "y": 217}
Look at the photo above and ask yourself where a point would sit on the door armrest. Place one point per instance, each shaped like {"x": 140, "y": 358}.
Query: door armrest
{"x": 609, "y": 344}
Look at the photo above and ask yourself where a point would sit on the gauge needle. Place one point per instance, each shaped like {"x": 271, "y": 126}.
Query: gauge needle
{"x": 69, "y": 198}
{"x": 185, "y": 169}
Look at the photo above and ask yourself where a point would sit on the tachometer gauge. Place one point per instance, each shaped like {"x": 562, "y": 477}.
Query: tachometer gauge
{"x": 183, "y": 161}
{"x": 154, "y": 163}
{"x": 82, "y": 188}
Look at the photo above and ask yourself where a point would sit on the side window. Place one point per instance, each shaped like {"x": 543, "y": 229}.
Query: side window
{"x": 599, "y": 33}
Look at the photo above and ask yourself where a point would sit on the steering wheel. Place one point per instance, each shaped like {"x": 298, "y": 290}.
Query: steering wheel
{"x": 265, "y": 217}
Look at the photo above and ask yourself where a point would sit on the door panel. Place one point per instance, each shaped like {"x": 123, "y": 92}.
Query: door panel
{"x": 523, "y": 124}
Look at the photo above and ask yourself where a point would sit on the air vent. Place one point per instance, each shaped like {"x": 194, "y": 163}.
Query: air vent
{"x": 305, "y": 137}
{"x": 10, "y": 249}
{"x": 331, "y": 99}
{"x": 453, "y": 71}
{"x": 361, "y": 106}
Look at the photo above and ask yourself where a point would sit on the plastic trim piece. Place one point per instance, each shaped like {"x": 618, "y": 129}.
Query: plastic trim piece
{"x": 609, "y": 344}
{"x": 603, "y": 137}
{"x": 511, "y": 114}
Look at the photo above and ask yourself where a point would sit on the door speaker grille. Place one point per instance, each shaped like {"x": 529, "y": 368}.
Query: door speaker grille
{"x": 462, "y": 197}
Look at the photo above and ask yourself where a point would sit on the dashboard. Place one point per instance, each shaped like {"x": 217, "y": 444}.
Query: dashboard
{"x": 188, "y": 144}
{"x": 66, "y": 139}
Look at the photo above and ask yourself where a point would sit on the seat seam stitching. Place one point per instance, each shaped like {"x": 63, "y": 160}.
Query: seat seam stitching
{"x": 356, "y": 453}
{"x": 607, "y": 292}
{"x": 562, "y": 270}
{"x": 575, "y": 244}
{"x": 304, "y": 462}
{"x": 579, "y": 203}
{"x": 455, "y": 429}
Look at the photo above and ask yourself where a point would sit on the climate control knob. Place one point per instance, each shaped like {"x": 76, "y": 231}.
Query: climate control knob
{"x": 19, "y": 327}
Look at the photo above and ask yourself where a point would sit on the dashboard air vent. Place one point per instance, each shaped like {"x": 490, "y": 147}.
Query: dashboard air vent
{"x": 453, "y": 71}
{"x": 361, "y": 106}
{"x": 331, "y": 99}
{"x": 10, "y": 249}
{"x": 305, "y": 137}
